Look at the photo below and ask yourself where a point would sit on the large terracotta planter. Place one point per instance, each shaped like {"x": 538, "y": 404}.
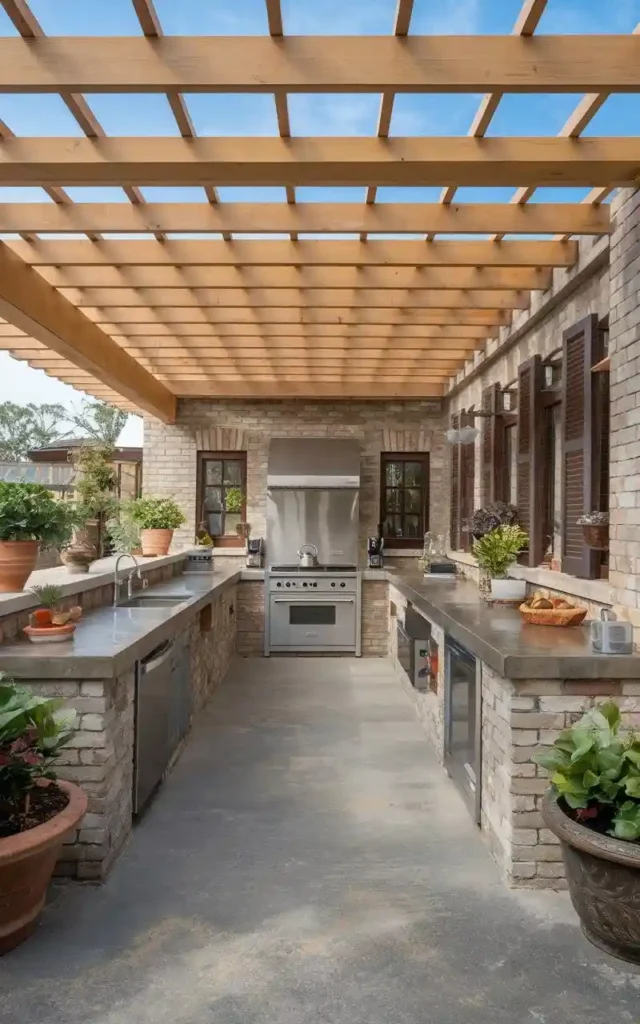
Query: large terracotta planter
{"x": 17, "y": 562}
{"x": 155, "y": 542}
{"x": 26, "y": 865}
{"x": 604, "y": 883}
{"x": 596, "y": 535}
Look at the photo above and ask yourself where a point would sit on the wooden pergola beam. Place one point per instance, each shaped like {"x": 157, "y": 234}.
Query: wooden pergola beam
{"x": 30, "y": 304}
{"x": 479, "y": 64}
{"x": 190, "y": 319}
{"x": 151, "y": 332}
{"x": 375, "y": 389}
{"x": 310, "y": 278}
{"x": 249, "y": 347}
{"x": 468, "y": 218}
{"x": 163, "y": 302}
{"x": 350, "y": 254}
{"x": 320, "y": 161}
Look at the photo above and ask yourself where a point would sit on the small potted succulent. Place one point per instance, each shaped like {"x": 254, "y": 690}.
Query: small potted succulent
{"x": 29, "y": 518}
{"x": 490, "y": 517}
{"x": 37, "y": 811}
{"x": 156, "y": 518}
{"x": 49, "y": 622}
{"x": 595, "y": 529}
{"x": 593, "y": 807}
{"x": 496, "y": 552}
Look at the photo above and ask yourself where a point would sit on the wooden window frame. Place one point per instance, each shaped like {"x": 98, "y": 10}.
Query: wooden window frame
{"x": 423, "y": 457}
{"x": 231, "y": 456}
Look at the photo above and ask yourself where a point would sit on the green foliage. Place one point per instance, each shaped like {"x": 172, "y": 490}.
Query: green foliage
{"x": 28, "y": 512}
{"x": 97, "y": 479}
{"x": 233, "y": 499}
{"x": 48, "y": 595}
{"x": 154, "y": 513}
{"x": 123, "y": 531}
{"x": 596, "y": 771}
{"x": 100, "y": 421}
{"x": 32, "y": 730}
{"x": 498, "y": 550}
{"x": 23, "y": 427}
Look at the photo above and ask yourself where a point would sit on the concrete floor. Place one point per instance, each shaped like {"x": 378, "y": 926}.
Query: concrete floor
{"x": 309, "y": 863}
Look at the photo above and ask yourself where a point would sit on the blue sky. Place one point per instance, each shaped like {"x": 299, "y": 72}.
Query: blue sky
{"x": 310, "y": 114}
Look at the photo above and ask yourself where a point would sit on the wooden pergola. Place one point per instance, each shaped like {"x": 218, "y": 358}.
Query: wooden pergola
{"x": 143, "y": 321}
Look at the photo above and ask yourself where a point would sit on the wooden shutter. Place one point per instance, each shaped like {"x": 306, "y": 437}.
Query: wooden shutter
{"x": 467, "y": 483}
{"x": 580, "y": 476}
{"x": 530, "y": 455}
{"x": 454, "y": 531}
{"x": 493, "y": 446}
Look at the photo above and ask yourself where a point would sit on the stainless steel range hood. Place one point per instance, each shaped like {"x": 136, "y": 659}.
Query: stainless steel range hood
{"x": 314, "y": 462}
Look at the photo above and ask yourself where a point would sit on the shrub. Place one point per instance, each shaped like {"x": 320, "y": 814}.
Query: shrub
{"x": 157, "y": 513}
{"x": 28, "y": 512}
{"x": 490, "y": 517}
{"x": 497, "y": 550}
{"x": 595, "y": 773}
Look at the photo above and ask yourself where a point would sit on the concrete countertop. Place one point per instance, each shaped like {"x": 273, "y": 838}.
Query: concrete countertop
{"x": 497, "y": 635}
{"x": 109, "y": 640}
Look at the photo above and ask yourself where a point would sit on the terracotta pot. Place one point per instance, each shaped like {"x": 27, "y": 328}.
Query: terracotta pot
{"x": 155, "y": 542}
{"x": 26, "y": 865}
{"x": 596, "y": 536}
{"x": 80, "y": 553}
{"x": 17, "y": 562}
{"x": 604, "y": 883}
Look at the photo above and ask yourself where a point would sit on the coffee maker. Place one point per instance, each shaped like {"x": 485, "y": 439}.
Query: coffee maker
{"x": 375, "y": 546}
{"x": 255, "y": 552}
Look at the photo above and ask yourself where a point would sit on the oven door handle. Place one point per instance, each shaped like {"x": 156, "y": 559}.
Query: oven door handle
{"x": 306, "y": 600}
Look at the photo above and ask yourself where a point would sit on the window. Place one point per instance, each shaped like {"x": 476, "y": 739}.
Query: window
{"x": 222, "y": 492}
{"x": 404, "y": 498}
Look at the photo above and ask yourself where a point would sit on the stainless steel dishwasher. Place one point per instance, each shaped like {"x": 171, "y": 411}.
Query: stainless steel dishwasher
{"x": 153, "y": 713}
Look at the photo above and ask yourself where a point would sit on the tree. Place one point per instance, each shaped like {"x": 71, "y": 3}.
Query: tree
{"x": 100, "y": 421}
{"x": 23, "y": 427}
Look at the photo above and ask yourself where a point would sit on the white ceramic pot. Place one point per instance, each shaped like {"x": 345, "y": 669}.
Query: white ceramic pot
{"x": 508, "y": 590}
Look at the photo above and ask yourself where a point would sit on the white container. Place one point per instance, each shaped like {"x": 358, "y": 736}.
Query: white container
{"x": 508, "y": 590}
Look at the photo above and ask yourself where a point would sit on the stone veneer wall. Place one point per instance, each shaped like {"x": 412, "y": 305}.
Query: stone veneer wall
{"x": 250, "y": 618}
{"x": 99, "y": 755}
{"x": 375, "y": 618}
{"x": 624, "y": 348}
{"x": 170, "y": 450}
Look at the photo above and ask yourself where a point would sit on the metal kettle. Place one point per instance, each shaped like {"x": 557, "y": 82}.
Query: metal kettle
{"x": 308, "y": 555}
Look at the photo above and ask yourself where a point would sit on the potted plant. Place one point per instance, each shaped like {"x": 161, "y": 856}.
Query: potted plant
{"x": 49, "y": 622}
{"x": 593, "y": 807}
{"x": 37, "y": 811}
{"x": 96, "y": 487}
{"x": 490, "y": 517}
{"x": 157, "y": 518}
{"x": 29, "y": 518}
{"x": 595, "y": 529}
{"x": 123, "y": 532}
{"x": 496, "y": 552}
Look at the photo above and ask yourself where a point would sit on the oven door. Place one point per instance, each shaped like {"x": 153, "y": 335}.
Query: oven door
{"x": 312, "y": 624}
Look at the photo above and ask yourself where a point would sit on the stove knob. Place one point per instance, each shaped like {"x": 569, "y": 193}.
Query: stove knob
{"x": 343, "y": 584}
{"x": 287, "y": 584}
{"x": 304, "y": 584}
{"x": 278, "y": 584}
{"x": 333, "y": 584}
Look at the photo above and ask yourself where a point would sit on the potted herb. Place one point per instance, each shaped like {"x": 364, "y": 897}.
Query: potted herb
{"x": 157, "y": 518}
{"x": 49, "y": 622}
{"x": 29, "y": 518}
{"x": 490, "y": 517}
{"x": 593, "y": 807}
{"x": 496, "y": 552}
{"x": 595, "y": 529}
{"x": 37, "y": 812}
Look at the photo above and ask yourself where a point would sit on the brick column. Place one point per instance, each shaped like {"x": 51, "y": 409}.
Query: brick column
{"x": 624, "y": 346}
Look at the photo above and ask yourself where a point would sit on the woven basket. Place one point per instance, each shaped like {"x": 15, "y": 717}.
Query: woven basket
{"x": 552, "y": 616}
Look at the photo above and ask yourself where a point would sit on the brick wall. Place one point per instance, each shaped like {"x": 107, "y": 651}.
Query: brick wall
{"x": 375, "y": 618}
{"x": 250, "y": 618}
{"x": 170, "y": 449}
{"x": 624, "y": 347}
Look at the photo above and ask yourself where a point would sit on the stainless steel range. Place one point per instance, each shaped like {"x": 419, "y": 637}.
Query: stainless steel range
{"x": 312, "y": 609}
{"x": 313, "y": 499}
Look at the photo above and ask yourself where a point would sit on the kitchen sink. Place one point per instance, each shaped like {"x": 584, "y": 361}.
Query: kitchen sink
{"x": 154, "y": 601}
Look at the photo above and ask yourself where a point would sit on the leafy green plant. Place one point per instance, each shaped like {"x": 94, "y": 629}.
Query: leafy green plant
{"x": 498, "y": 550}
{"x": 595, "y": 772}
{"x": 48, "y": 595}
{"x": 32, "y": 730}
{"x": 123, "y": 531}
{"x": 233, "y": 499}
{"x": 28, "y": 512}
{"x": 97, "y": 479}
{"x": 153, "y": 513}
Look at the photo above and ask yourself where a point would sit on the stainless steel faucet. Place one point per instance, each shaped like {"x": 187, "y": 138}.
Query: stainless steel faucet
{"x": 129, "y": 578}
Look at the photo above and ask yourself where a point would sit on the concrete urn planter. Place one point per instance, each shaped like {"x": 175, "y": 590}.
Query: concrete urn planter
{"x": 155, "y": 542}
{"x": 27, "y": 861}
{"x": 508, "y": 590}
{"x": 604, "y": 883}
